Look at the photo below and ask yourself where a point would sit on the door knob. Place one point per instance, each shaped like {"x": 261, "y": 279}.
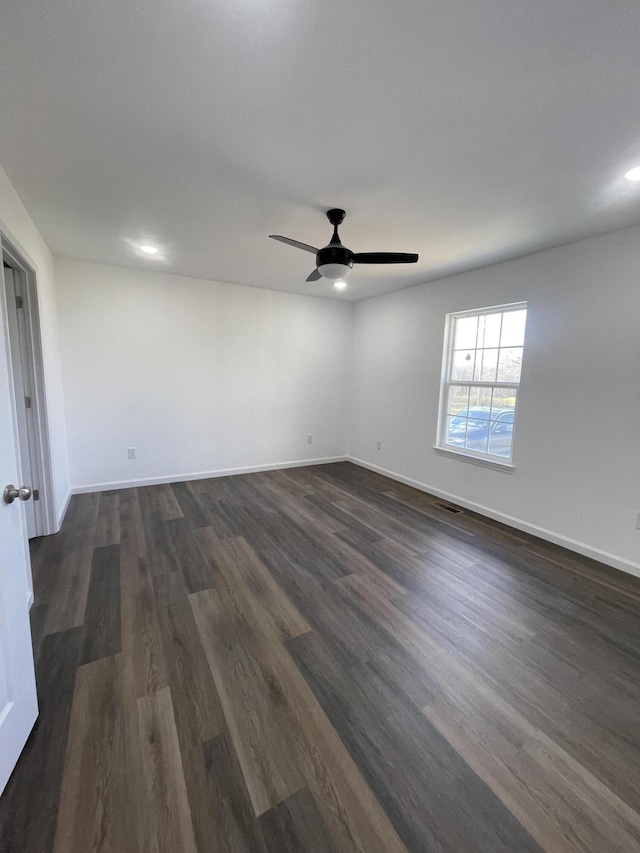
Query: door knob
{"x": 11, "y": 493}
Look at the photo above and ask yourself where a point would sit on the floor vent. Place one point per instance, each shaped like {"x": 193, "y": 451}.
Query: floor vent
{"x": 448, "y": 507}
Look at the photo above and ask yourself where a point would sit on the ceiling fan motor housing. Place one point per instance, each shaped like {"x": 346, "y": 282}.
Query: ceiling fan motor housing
{"x": 334, "y": 261}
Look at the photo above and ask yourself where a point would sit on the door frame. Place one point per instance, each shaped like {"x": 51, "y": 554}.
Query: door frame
{"x": 40, "y": 452}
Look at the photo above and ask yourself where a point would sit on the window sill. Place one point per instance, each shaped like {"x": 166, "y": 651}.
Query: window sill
{"x": 505, "y": 467}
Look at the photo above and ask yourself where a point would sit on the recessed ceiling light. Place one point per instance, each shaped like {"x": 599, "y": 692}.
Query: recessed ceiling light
{"x": 340, "y": 284}
{"x": 150, "y": 250}
{"x": 633, "y": 174}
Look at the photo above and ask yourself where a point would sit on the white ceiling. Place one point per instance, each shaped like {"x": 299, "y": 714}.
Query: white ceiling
{"x": 466, "y": 130}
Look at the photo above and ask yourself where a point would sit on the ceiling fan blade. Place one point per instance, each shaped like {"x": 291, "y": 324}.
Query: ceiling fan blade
{"x": 384, "y": 258}
{"x": 314, "y": 276}
{"x": 295, "y": 243}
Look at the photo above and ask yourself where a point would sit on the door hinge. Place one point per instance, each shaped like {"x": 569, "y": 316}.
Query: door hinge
{"x": 36, "y": 494}
{"x": 19, "y": 302}
{"x": 27, "y": 402}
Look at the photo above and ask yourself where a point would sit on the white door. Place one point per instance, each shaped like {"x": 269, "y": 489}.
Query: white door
{"x": 18, "y": 702}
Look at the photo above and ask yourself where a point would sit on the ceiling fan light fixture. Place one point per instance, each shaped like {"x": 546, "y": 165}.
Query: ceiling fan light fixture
{"x": 334, "y": 261}
{"x": 334, "y": 271}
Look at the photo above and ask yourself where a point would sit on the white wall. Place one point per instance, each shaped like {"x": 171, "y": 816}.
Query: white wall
{"x": 198, "y": 376}
{"x": 18, "y": 227}
{"x": 577, "y": 443}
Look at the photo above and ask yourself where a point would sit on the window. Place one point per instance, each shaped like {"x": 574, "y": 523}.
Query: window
{"x": 481, "y": 378}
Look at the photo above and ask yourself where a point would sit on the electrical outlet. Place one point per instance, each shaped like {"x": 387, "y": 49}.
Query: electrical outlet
{"x": 379, "y": 445}
{"x": 638, "y": 521}
{"x": 309, "y": 439}
{"x": 131, "y": 452}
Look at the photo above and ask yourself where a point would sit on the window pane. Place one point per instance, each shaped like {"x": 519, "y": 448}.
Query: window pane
{"x": 509, "y": 364}
{"x": 489, "y": 330}
{"x": 486, "y": 364}
{"x": 456, "y": 430}
{"x": 462, "y": 368}
{"x": 479, "y": 403}
{"x": 458, "y": 399}
{"x": 513, "y": 323}
{"x": 504, "y": 403}
{"x": 500, "y": 438}
{"x": 477, "y": 435}
{"x": 466, "y": 333}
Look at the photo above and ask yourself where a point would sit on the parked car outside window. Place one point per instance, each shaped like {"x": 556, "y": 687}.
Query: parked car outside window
{"x": 482, "y": 428}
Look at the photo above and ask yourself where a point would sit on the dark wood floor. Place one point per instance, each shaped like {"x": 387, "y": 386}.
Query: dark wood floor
{"x": 321, "y": 660}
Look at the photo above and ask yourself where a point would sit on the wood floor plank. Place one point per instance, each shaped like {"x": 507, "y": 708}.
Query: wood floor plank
{"x": 144, "y": 665}
{"x": 250, "y": 697}
{"x": 295, "y": 825}
{"x": 253, "y": 673}
{"x": 319, "y": 599}
{"x": 181, "y": 549}
{"x": 341, "y": 551}
{"x": 171, "y": 548}
{"x": 90, "y": 815}
{"x": 325, "y": 499}
{"x": 263, "y": 601}
{"x": 101, "y": 629}
{"x": 353, "y": 816}
{"x": 238, "y": 830}
{"x": 298, "y": 543}
{"x": 407, "y": 568}
{"x": 108, "y": 522}
{"x": 45, "y": 565}
{"x": 222, "y": 517}
{"x": 69, "y": 599}
{"x": 402, "y": 524}
{"x": 471, "y": 605}
{"x": 285, "y": 479}
{"x": 160, "y": 500}
{"x": 196, "y": 704}
{"x": 37, "y": 619}
{"x": 347, "y": 628}
{"x": 193, "y": 510}
{"x": 285, "y": 492}
{"x": 206, "y": 813}
{"x": 166, "y": 820}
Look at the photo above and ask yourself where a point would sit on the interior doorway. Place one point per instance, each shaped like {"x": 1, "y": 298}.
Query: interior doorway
{"x": 20, "y": 295}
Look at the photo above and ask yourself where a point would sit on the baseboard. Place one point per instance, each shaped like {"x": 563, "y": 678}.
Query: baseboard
{"x": 200, "y": 475}
{"x": 63, "y": 511}
{"x": 541, "y": 532}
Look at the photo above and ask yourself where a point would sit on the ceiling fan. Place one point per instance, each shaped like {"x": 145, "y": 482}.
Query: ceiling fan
{"x": 335, "y": 261}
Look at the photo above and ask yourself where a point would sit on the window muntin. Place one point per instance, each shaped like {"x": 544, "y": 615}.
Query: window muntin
{"x": 481, "y": 379}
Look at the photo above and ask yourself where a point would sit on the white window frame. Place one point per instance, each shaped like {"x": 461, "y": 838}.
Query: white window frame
{"x": 476, "y": 456}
